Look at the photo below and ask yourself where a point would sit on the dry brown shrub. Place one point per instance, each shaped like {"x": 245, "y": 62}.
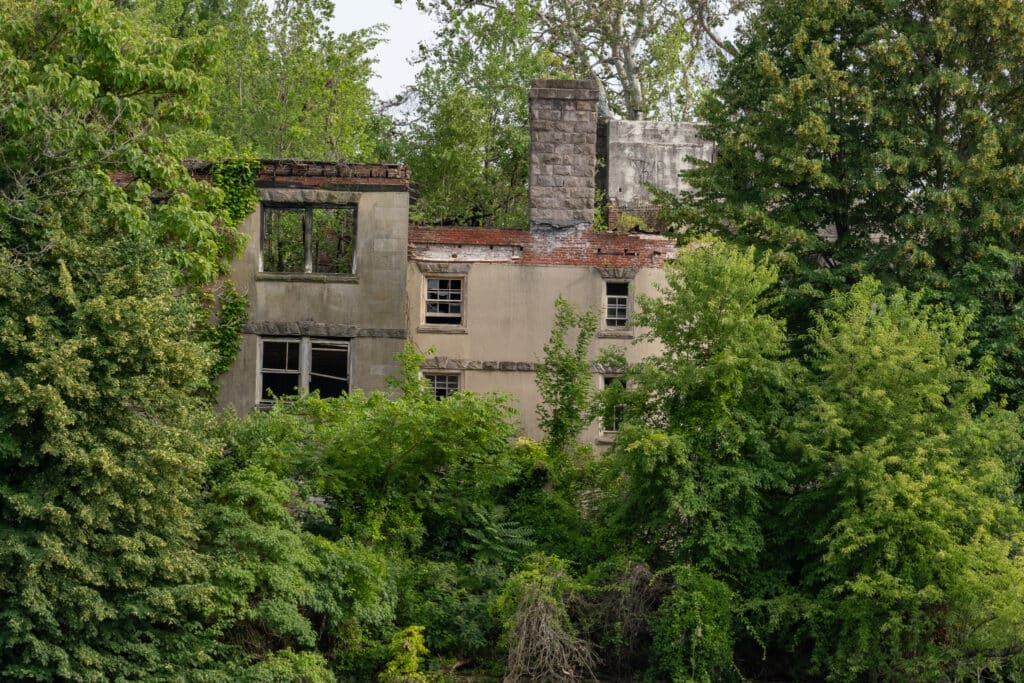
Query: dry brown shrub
{"x": 541, "y": 644}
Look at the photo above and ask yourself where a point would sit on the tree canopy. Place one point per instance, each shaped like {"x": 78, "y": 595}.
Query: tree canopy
{"x": 875, "y": 138}
{"x": 103, "y": 435}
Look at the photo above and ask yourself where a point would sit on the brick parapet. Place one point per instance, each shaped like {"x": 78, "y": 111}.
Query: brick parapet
{"x": 320, "y": 174}
{"x": 570, "y": 247}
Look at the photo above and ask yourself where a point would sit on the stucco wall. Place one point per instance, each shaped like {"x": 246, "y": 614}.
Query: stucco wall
{"x": 367, "y": 307}
{"x": 509, "y": 313}
{"x": 650, "y": 152}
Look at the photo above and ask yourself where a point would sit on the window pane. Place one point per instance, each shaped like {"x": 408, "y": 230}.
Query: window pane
{"x": 281, "y": 383}
{"x": 330, "y": 360}
{"x": 616, "y": 304}
{"x": 443, "y": 385}
{"x": 444, "y": 301}
{"x": 283, "y": 249}
{"x": 617, "y": 288}
{"x": 281, "y": 355}
{"x": 333, "y": 239}
{"x": 329, "y": 387}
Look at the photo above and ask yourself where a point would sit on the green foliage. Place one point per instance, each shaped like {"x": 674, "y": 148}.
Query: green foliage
{"x": 696, "y": 459}
{"x": 236, "y": 178}
{"x": 398, "y": 473}
{"x": 467, "y": 146}
{"x": 285, "y": 85}
{"x": 407, "y": 649}
{"x": 453, "y": 603}
{"x": 224, "y": 334}
{"x": 564, "y": 379}
{"x": 917, "y": 572}
{"x": 103, "y": 438}
{"x": 542, "y": 641}
{"x": 283, "y": 593}
{"x": 693, "y": 630}
{"x": 646, "y": 55}
{"x": 880, "y": 139}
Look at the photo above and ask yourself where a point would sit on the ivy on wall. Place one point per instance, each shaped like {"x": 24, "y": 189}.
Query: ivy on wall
{"x": 236, "y": 179}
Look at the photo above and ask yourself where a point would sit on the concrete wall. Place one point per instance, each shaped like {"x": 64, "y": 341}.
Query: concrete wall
{"x": 652, "y": 152}
{"x": 563, "y": 139}
{"x": 509, "y": 313}
{"x": 367, "y": 307}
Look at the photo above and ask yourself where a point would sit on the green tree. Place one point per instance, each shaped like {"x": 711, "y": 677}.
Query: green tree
{"x": 647, "y": 56}
{"x": 908, "y": 537}
{"x": 418, "y": 481}
{"x": 103, "y": 438}
{"x": 876, "y": 137}
{"x": 696, "y": 459}
{"x": 284, "y": 84}
{"x": 286, "y": 599}
{"x": 564, "y": 379}
{"x": 467, "y": 143}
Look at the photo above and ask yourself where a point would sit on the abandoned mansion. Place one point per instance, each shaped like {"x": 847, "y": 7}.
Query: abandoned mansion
{"x": 338, "y": 281}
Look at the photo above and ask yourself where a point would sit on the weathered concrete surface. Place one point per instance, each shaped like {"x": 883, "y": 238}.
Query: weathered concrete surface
{"x": 366, "y": 307}
{"x": 509, "y": 305}
{"x": 650, "y": 152}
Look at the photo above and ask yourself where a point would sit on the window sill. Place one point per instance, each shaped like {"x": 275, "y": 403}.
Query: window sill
{"x": 308, "y": 277}
{"x": 616, "y": 334}
{"x": 442, "y": 329}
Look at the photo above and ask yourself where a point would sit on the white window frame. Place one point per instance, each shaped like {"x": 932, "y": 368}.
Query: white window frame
{"x": 431, "y": 375}
{"x": 305, "y": 371}
{"x": 622, "y": 305}
{"x": 307, "y": 234}
{"x": 456, "y": 324}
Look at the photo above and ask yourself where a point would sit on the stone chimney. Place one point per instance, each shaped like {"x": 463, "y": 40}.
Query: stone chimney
{"x": 563, "y": 148}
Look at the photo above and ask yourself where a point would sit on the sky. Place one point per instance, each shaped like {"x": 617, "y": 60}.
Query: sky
{"x": 406, "y": 28}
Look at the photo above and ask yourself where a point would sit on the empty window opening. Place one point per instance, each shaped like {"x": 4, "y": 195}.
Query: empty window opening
{"x": 614, "y": 412}
{"x": 308, "y": 239}
{"x": 301, "y": 365}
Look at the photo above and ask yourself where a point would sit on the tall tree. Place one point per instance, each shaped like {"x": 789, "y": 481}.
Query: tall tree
{"x": 877, "y": 137}
{"x": 697, "y": 454}
{"x": 647, "y": 55}
{"x": 467, "y": 141}
{"x": 285, "y": 85}
{"x": 906, "y": 533}
{"x": 103, "y": 440}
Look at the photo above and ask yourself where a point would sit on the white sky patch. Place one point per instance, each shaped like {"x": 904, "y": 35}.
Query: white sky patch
{"x": 406, "y": 28}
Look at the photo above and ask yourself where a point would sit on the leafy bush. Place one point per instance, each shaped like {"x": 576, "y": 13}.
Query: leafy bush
{"x": 693, "y": 630}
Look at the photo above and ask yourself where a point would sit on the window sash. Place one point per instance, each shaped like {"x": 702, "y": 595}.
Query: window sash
{"x": 444, "y": 301}
{"x": 616, "y": 304}
{"x": 443, "y": 384}
{"x": 309, "y": 375}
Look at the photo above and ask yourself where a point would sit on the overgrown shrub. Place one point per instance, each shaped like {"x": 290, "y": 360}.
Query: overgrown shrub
{"x": 542, "y": 641}
{"x": 693, "y": 630}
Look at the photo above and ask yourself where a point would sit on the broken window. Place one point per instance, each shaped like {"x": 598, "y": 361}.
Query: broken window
{"x": 291, "y": 367}
{"x": 308, "y": 239}
{"x": 616, "y": 314}
{"x": 614, "y": 412}
{"x": 444, "y": 301}
{"x": 442, "y": 385}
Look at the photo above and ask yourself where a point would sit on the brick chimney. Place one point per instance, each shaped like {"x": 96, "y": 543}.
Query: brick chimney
{"x": 563, "y": 148}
